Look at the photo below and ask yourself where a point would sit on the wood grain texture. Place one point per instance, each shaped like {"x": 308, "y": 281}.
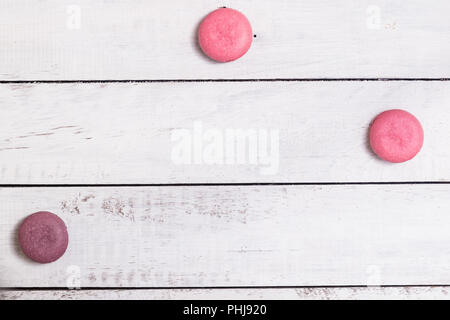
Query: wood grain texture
{"x": 124, "y": 133}
{"x": 363, "y": 293}
{"x": 213, "y": 236}
{"x": 235, "y": 236}
{"x": 138, "y": 39}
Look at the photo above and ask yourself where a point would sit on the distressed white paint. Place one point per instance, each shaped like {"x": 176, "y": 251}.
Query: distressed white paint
{"x": 366, "y": 293}
{"x": 139, "y": 39}
{"x": 235, "y": 236}
{"x": 230, "y": 236}
{"x": 121, "y": 133}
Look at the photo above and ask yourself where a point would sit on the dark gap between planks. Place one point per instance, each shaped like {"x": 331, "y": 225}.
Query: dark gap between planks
{"x": 220, "y": 287}
{"x": 222, "y": 80}
{"x": 219, "y": 184}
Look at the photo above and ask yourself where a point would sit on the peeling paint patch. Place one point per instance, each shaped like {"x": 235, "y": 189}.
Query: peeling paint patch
{"x": 118, "y": 207}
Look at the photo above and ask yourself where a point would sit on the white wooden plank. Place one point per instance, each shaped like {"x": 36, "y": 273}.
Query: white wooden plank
{"x": 235, "y": 236}
{"x": 129, "y": 133}
{"x": 364, "y": 293}
{"x": 138, "y": 39}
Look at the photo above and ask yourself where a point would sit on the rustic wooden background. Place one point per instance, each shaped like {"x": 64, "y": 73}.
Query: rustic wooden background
{"x": 91, "y": 91}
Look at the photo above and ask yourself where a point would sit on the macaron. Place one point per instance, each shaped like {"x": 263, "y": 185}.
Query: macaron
{"x": 43, "y": 237}
{"x": 225, "y": 35}
{"x": 396, "y": 136}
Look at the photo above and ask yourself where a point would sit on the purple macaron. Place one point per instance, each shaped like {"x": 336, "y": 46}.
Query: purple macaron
{"x": 43, "y": 237}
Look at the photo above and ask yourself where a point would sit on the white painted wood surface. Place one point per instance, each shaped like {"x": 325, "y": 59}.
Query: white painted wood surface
{"x": 365, "y": 293}
{"x": 122, "y": 133}
{"x": 200, "y": 236}
{"x": 139, "y": 39}
{"x": 235, "y": 236}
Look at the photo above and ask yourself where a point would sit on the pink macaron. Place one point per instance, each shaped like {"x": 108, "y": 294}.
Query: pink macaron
{"x": 225, "y": 35}
{"x": 396, "y": 136}
{"x": 43, "y": 237}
